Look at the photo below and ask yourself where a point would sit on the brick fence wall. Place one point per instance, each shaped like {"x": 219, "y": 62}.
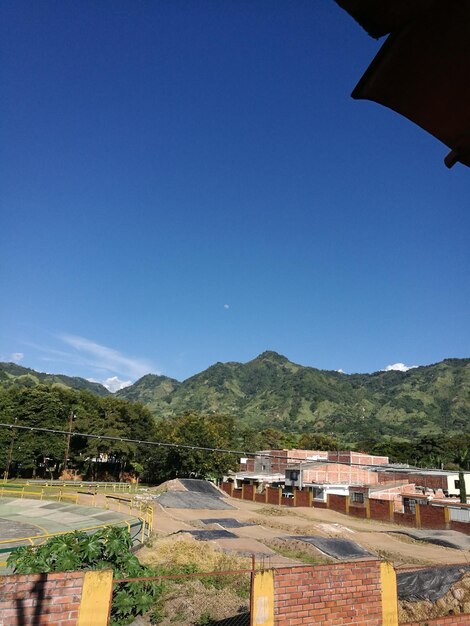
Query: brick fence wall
{"x": 41, "y": 599}
{"x": 426, "y": 516}
{"x": 345, "y": 593}
{"x": 56, "y": 599}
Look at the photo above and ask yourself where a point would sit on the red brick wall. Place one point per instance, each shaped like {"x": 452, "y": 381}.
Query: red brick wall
{"x": 337, "y": 503}
{"x": 432, "y": 517}
{"x": 227, "y": 487}
{"x": 273, "y": 495}
{"x": 343, "y": 593}
{"x": 302, "y": 498}
{"x": 335, "y": 473}
{"x": 463, "y": 527}
{"x": 33, "y": 599}
{"x": 380, "y": 509}
{"x": 357, "y": 511}
{"x": 287, "y": 501}
{"x": 406, "y": 519}
{"x": 237, "y": 493}
{"x": 260, "y": 497}
{"x": 249, "y": 492}
{"x": 318, "y": 504}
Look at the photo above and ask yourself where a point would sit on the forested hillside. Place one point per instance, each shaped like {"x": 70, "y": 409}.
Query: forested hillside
{"x": 12, "y": 374}
{"x": 271, "y": 391}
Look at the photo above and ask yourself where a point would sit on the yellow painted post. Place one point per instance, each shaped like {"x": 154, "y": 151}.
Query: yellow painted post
{"x": 348, "y": 502}
{"x": 295, "y": 496}
{"x": 447, "y": 516}
{"x": 388, "y": 583}
{"x": 60, "y": 495}
{"x": 232, "y": 487}
{"x": 327, "y": 500}
{"x": 310, "y": 498}
{"x": 22, "y": 493}
{"x": 418, "y": 515}
{"x": 279, "y": 498}
{"x": 42, "y": 493}
{"x": 95, "y": 605}
{"x": 367, "y": 508}
{"x": 142, "y": 539}
{"x": 243, "y": 491}
{"x": 391, "y": 510}
{"x": 262, "y": 598}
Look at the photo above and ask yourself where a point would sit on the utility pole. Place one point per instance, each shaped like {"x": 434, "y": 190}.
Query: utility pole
{"x": 10, "y": 453}
{"x": 69, "y": 436}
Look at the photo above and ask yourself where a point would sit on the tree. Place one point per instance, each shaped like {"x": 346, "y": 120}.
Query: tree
{"x": 192, "y": 429}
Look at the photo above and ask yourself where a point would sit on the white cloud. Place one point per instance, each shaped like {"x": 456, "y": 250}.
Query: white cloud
{"x": 340, "y": 371}
{"x": 112, "y": 384}
{"x": 398, "y": 367}
{"x": 226, "y": 306}
{"x": 16, "y": 357}
{"x": 104, "y": 358}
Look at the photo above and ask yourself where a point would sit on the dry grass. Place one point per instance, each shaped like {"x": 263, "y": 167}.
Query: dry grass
{"x": 176, "y": 552}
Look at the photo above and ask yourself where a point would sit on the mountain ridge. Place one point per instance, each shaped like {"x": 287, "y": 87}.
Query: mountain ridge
{"x": 272, "y": 391}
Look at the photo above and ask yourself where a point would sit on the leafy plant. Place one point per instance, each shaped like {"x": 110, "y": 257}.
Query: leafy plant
{"x": 109, "y": 548}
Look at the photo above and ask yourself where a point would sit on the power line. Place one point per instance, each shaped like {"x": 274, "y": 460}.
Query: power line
{"x": 163, "y": 444}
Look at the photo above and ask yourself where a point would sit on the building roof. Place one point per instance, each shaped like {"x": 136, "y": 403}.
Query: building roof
{"x": 422, "y": 70}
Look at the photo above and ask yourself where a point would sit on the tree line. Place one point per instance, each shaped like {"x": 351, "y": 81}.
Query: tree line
{"x": 48, "y": 455}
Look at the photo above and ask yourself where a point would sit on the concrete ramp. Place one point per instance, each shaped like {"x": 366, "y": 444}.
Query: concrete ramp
{"x": 191, "y": 500}
{"x": 340, "y": 549}
{"x": 202, "y": 486}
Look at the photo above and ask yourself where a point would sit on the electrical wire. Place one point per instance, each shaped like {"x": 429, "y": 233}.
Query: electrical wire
{"x": 178, "y": 445}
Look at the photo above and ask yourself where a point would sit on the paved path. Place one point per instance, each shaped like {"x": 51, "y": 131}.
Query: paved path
{"x": 21, "y": 518}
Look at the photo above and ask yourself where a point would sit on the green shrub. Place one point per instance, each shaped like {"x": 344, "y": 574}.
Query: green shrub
{"x": 109, "y": 548}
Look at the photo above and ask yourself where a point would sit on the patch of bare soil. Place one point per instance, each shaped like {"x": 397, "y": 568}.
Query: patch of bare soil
{"x": 454, "y": 602}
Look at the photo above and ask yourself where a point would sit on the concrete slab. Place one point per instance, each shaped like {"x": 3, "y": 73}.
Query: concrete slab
{"x": 445, "y": 538}
{"x": 201, "y": 486}
{"x": 209, "y": 535}
{"x": 341, "y": 549}
{"x": 191, "y": 500}
{"x": 227, "y": 522}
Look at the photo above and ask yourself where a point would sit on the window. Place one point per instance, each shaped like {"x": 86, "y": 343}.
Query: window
{"x": 457, "y": 484}
{"x": 357, "y": 496}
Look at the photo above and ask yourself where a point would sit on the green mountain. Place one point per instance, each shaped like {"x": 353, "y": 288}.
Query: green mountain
{"x": 271, "y": 391}
{"x": 13, "y": 374}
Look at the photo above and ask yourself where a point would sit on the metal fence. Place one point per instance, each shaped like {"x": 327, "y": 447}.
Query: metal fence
{"x": 139, "y": 521}
{"x": 459, "y": 514}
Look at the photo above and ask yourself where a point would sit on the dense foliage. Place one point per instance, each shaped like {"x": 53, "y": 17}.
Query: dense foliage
{"x": 270, "y": 391}
{"x": 109, "y": 548}
{"x": 43, "y": 454}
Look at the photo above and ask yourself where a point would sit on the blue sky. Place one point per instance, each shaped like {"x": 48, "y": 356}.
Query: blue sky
{"x": 188, "y": 182}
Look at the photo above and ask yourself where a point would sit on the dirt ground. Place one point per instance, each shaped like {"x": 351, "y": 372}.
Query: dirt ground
{"x": 274, "y": 522}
